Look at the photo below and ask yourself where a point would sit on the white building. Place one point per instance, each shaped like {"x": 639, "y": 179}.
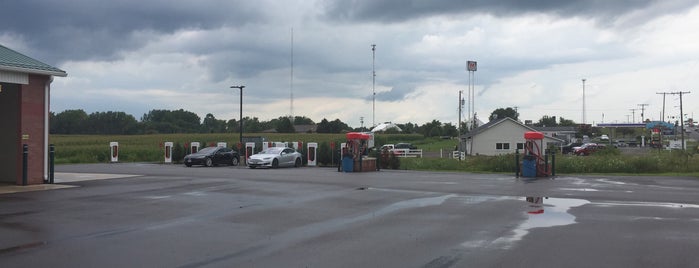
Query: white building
{"x": 500, "y": 136}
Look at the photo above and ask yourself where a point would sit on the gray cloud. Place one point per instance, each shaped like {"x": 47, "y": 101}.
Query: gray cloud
{"x": 57, "y": 31}
{"x": 399, "y": 10}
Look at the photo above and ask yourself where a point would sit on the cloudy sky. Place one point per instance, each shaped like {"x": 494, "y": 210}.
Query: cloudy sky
{"x": 135, "y": 56}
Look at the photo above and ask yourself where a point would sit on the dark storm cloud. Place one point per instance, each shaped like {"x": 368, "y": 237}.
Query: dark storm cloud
{"x": 56, "y": 31}
{"x": 401, "y": 10}
{"x": 396, "y": 93}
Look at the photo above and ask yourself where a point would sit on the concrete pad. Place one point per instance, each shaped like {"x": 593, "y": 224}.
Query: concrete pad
{"x": 8, "y": 189}
{"x": 73, "y": 177}
{"x": 61, "y": 178}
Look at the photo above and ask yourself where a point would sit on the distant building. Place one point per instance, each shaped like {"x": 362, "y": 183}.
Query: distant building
{"x": 298, "y": 128}
{"x": 565, "y": 133}
{"x": 25, "y": 85}
{"x": 500, "y": 136}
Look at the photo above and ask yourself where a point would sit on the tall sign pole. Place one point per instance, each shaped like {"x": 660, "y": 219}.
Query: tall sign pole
{"x": 471, "y": 67}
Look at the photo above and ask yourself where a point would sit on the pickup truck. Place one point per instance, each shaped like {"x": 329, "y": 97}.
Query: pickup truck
{"x": 402, "y": 149}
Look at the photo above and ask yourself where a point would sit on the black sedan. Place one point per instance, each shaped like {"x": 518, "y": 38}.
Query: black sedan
{"x": 211, "y": 156}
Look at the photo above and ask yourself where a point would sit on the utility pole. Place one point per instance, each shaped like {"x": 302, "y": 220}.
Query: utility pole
{"x": 643, "y": 109}
{"x": 633, "y": 115}
{"x": 583, "y": 102}
{"x": 663, "y": 114}
{"x": 681, "y": 111}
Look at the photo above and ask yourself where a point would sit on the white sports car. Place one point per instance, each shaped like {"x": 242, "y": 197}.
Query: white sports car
{"x": 276, "y": 157}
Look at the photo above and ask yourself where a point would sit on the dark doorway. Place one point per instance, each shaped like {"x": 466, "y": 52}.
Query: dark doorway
{"x": 9, "y": 135}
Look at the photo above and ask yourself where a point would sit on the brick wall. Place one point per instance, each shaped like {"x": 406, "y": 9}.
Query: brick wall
{"x": 32, "y": 110}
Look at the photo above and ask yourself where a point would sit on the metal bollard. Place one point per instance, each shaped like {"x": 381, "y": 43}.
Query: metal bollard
{"x": 52, "y": 156}
{"x": 553, "y": 164}
{"x": 546, "y": 161}
{"x": 25, "y": 158}
{"x": 517, "y": 163}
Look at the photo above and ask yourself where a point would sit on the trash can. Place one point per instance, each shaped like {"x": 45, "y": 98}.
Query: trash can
{"x": 529, "y": 166}
{"x": 347, "y": 164}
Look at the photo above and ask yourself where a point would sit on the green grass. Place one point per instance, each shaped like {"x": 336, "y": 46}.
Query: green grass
{"x": 147, "y": 148}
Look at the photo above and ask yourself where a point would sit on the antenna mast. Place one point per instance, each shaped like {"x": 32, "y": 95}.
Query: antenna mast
{"x": 373, "y": 85}
{"x": 291, "y": 80}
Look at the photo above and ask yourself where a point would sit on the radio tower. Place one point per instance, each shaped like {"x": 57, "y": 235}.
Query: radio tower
{"x": 291, "y": 80}
{"x": 373, "y": 85}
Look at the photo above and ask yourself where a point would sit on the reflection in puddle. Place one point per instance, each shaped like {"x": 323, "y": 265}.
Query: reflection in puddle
{"x": 542, "y": 212}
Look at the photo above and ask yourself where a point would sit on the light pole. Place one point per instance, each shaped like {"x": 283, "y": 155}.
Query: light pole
{"x": 241, "y": 114}
{"x": 583, "y": 104}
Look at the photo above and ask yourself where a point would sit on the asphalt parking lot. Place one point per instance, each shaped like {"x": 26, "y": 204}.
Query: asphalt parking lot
{"x": 151, "y": 215}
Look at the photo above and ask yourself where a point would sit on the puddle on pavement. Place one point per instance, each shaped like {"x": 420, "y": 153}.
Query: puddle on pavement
{"x": 542, "y": 212}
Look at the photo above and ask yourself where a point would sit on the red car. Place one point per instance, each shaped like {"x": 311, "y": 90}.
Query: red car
{"x": 588, "y": 148}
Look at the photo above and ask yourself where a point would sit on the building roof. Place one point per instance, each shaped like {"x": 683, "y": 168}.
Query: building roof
{"x": 14, "y": 61}
{"x": 492, "y": 123}
{"x": 555, "y": 129}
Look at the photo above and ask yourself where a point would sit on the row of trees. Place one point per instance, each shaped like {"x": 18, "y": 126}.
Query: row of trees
{"x": 181, "y": 121}
{"x": 163, "y": 121}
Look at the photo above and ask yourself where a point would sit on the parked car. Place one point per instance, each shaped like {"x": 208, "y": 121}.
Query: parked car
{"x": 404, "y": 146}
{"x": 588, "y": 148}
{"x": 569, "y": 148}
{"x": 211, "y": 156}
{"x": 604, "y": 137}
{"x": 276, "y": 157}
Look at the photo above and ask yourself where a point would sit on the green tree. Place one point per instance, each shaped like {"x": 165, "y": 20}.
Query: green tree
{"x": 213, "y": 125}
{"x": 302, "y": 120}
{"x": 501, "y": 113}
{"x": 449, "y": 130}
{"x": 114, "y": 123}
{"x": 432, "y": 129}
{"x": 335, "y": 126}
{"x": 547, "y": 121}
{"x": 566, "y": 123}
{"x": 166, "y": 121}
{"x": 285, "y": 126}
{"x": 68, "y": 122}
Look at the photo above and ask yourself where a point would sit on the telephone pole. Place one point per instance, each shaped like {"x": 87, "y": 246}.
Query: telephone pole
{"x": 633, "y": 115}
{"x": 663, "y": 114}
{"x": 643, "y": 109}
{"x": 681, "y": 111}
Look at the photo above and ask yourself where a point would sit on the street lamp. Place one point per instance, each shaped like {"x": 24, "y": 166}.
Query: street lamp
{"x": 241, "y": 113}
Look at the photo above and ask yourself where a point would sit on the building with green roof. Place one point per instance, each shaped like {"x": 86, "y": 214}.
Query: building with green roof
{"x": 25, "y": 86}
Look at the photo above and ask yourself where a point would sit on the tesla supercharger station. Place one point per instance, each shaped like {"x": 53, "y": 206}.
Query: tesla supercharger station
{"x": 266, "y": 145}
{"x": 312, "y": 150}
{"x": 194, "y": 147}
{"x": 168, "y": 151}
{"x": 297, "y": 145}
{"x": 114, "y": 151}
{"x": 249, "y": 150}
{"x": 222, "y": 144}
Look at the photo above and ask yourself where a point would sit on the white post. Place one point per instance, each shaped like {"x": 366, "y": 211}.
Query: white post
{"x": 194, "y": 147}
{"x": 311, "y": 153}
{"x": 168, "y": 151}
{"x": 114, "y": 151}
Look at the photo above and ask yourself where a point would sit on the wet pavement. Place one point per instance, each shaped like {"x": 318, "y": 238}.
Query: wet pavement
{"x": 149, "y": 215}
